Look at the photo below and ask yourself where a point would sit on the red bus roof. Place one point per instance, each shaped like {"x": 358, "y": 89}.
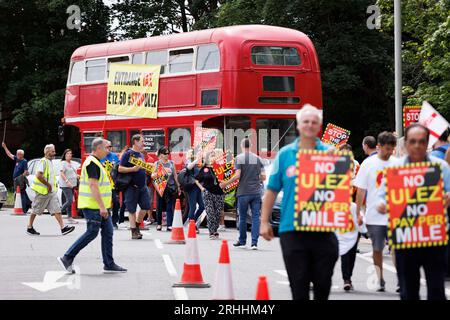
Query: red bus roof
{"x": 229, "y": 34}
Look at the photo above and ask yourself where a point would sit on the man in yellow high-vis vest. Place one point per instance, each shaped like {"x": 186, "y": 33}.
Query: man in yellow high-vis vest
{"x": 44, "y": 184}
{"x": 94, "y": 198}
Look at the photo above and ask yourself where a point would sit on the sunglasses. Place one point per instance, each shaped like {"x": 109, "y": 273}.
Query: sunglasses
{"x": 166, "y": 153}
{"x": 414, "y": 141}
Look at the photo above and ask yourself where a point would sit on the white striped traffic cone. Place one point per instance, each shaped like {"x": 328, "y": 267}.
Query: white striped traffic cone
{"x": 223, "y": 284}
{"x": 192, "y": 274}
{"x": 18, "y": 211}
{"x": 177, "y": 236}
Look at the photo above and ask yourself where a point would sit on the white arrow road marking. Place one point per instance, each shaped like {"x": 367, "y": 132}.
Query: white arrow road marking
{"x": 49, "y": 282}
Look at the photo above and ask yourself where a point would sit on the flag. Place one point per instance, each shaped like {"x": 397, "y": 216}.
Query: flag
{"x": 431, "y": 119}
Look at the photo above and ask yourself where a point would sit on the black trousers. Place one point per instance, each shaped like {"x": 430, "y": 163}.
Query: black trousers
{"x": 433, "y": 260}
{"x": 115, "y": 206}
{"x": 309, "y": 257}
{"x": 348, "y": 262}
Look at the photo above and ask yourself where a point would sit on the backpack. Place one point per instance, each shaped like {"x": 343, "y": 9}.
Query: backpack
{"x": 121, "y": 180}
{"x": 186, "y": 180}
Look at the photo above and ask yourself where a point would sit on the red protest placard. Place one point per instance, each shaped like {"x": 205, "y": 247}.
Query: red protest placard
{"x": 411, "y": 115}
{"x": 323, "y": 192}
{"x": 160, "y": 182}
{"x": 415, "y": 203}
{"x": 335, "y": 135}
{"x": 223, "y": 168}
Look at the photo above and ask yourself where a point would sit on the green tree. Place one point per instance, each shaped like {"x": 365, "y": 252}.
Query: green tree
{"x": 356, "y": 63}
{"x": 425, "y": 50}
{"x": 143, "y": 18}
{"x": 34, "y": 63}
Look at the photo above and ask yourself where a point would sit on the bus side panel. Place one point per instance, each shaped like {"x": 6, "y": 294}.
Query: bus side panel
{"x": 93, "y": 98}
{"x": 71, "y": 103}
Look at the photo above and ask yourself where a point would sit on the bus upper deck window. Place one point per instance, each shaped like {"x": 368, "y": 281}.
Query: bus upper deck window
{"x": 157, "y": 57}
{"x": 181, "y": 60}
{"x": 138, "y": 58}
{"x": 208, "y": 57}
{"x": 95, "y": 69}
{"x": 77, "y": 72}
{"x": 278, "y": 56}
{"x": 124, "y": 59}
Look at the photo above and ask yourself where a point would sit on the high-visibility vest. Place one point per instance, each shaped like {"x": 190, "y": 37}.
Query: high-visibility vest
{"x": 85, "y": 198}
{"x": 38, "y": 186}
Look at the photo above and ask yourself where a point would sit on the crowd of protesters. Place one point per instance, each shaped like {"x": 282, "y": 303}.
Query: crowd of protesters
{"x": 309, "y": 257}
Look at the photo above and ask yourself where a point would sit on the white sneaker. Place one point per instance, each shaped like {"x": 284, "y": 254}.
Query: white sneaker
{"x": 72, "y": 221}
{"x": 222, "y": 228}
{"x": 254, "y": 247}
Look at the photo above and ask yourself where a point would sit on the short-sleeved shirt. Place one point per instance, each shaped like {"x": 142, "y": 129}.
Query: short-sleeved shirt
{"x": 251, "y": 167}
{"x": 138, "y": 178}
{"x": 70, "y": 173}
{"x": 93, "y": 170}
{"x": 283, "y": 177}
{"x": 111, "y": 157}
{"x": 20, "y": 167}
{"x": 440, "y": 152}
{"x": 369, "y": 178}
{"x": 51, "y": 168}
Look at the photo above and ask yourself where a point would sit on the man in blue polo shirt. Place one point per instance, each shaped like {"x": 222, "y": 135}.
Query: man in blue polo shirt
{"x": 308, "y": 256}
{"x": 20, "y": 175}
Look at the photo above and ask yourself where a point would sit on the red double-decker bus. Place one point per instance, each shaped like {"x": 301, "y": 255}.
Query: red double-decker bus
{"x": 250, "y": 78}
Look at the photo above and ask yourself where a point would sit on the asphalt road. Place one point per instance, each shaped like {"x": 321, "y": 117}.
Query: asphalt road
{"x": 29, "y": 269}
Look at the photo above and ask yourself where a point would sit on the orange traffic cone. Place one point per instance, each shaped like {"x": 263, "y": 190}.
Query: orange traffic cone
{"x": 262, "y": 291}
{"x": 177, "y": 236}
{"x": 192, "y": 275}
{"x": 223, "y": 284}
{"x": 18, "y": 204}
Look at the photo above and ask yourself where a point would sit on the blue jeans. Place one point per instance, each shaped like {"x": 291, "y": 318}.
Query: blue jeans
{"x": 67, "y": 206}
{"x": 94, "y": 222}
{"x": 244, "y": 202}
{"x": 195, "y": 196}
{"x": 168, "y": 202}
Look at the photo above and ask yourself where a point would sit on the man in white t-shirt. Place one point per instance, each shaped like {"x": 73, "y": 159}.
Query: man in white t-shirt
{"x": 368, "y": 181}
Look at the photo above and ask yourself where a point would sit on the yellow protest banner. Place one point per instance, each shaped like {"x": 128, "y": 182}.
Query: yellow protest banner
{"x": 149, "y": 167}
{"x": 133, "y": 90}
